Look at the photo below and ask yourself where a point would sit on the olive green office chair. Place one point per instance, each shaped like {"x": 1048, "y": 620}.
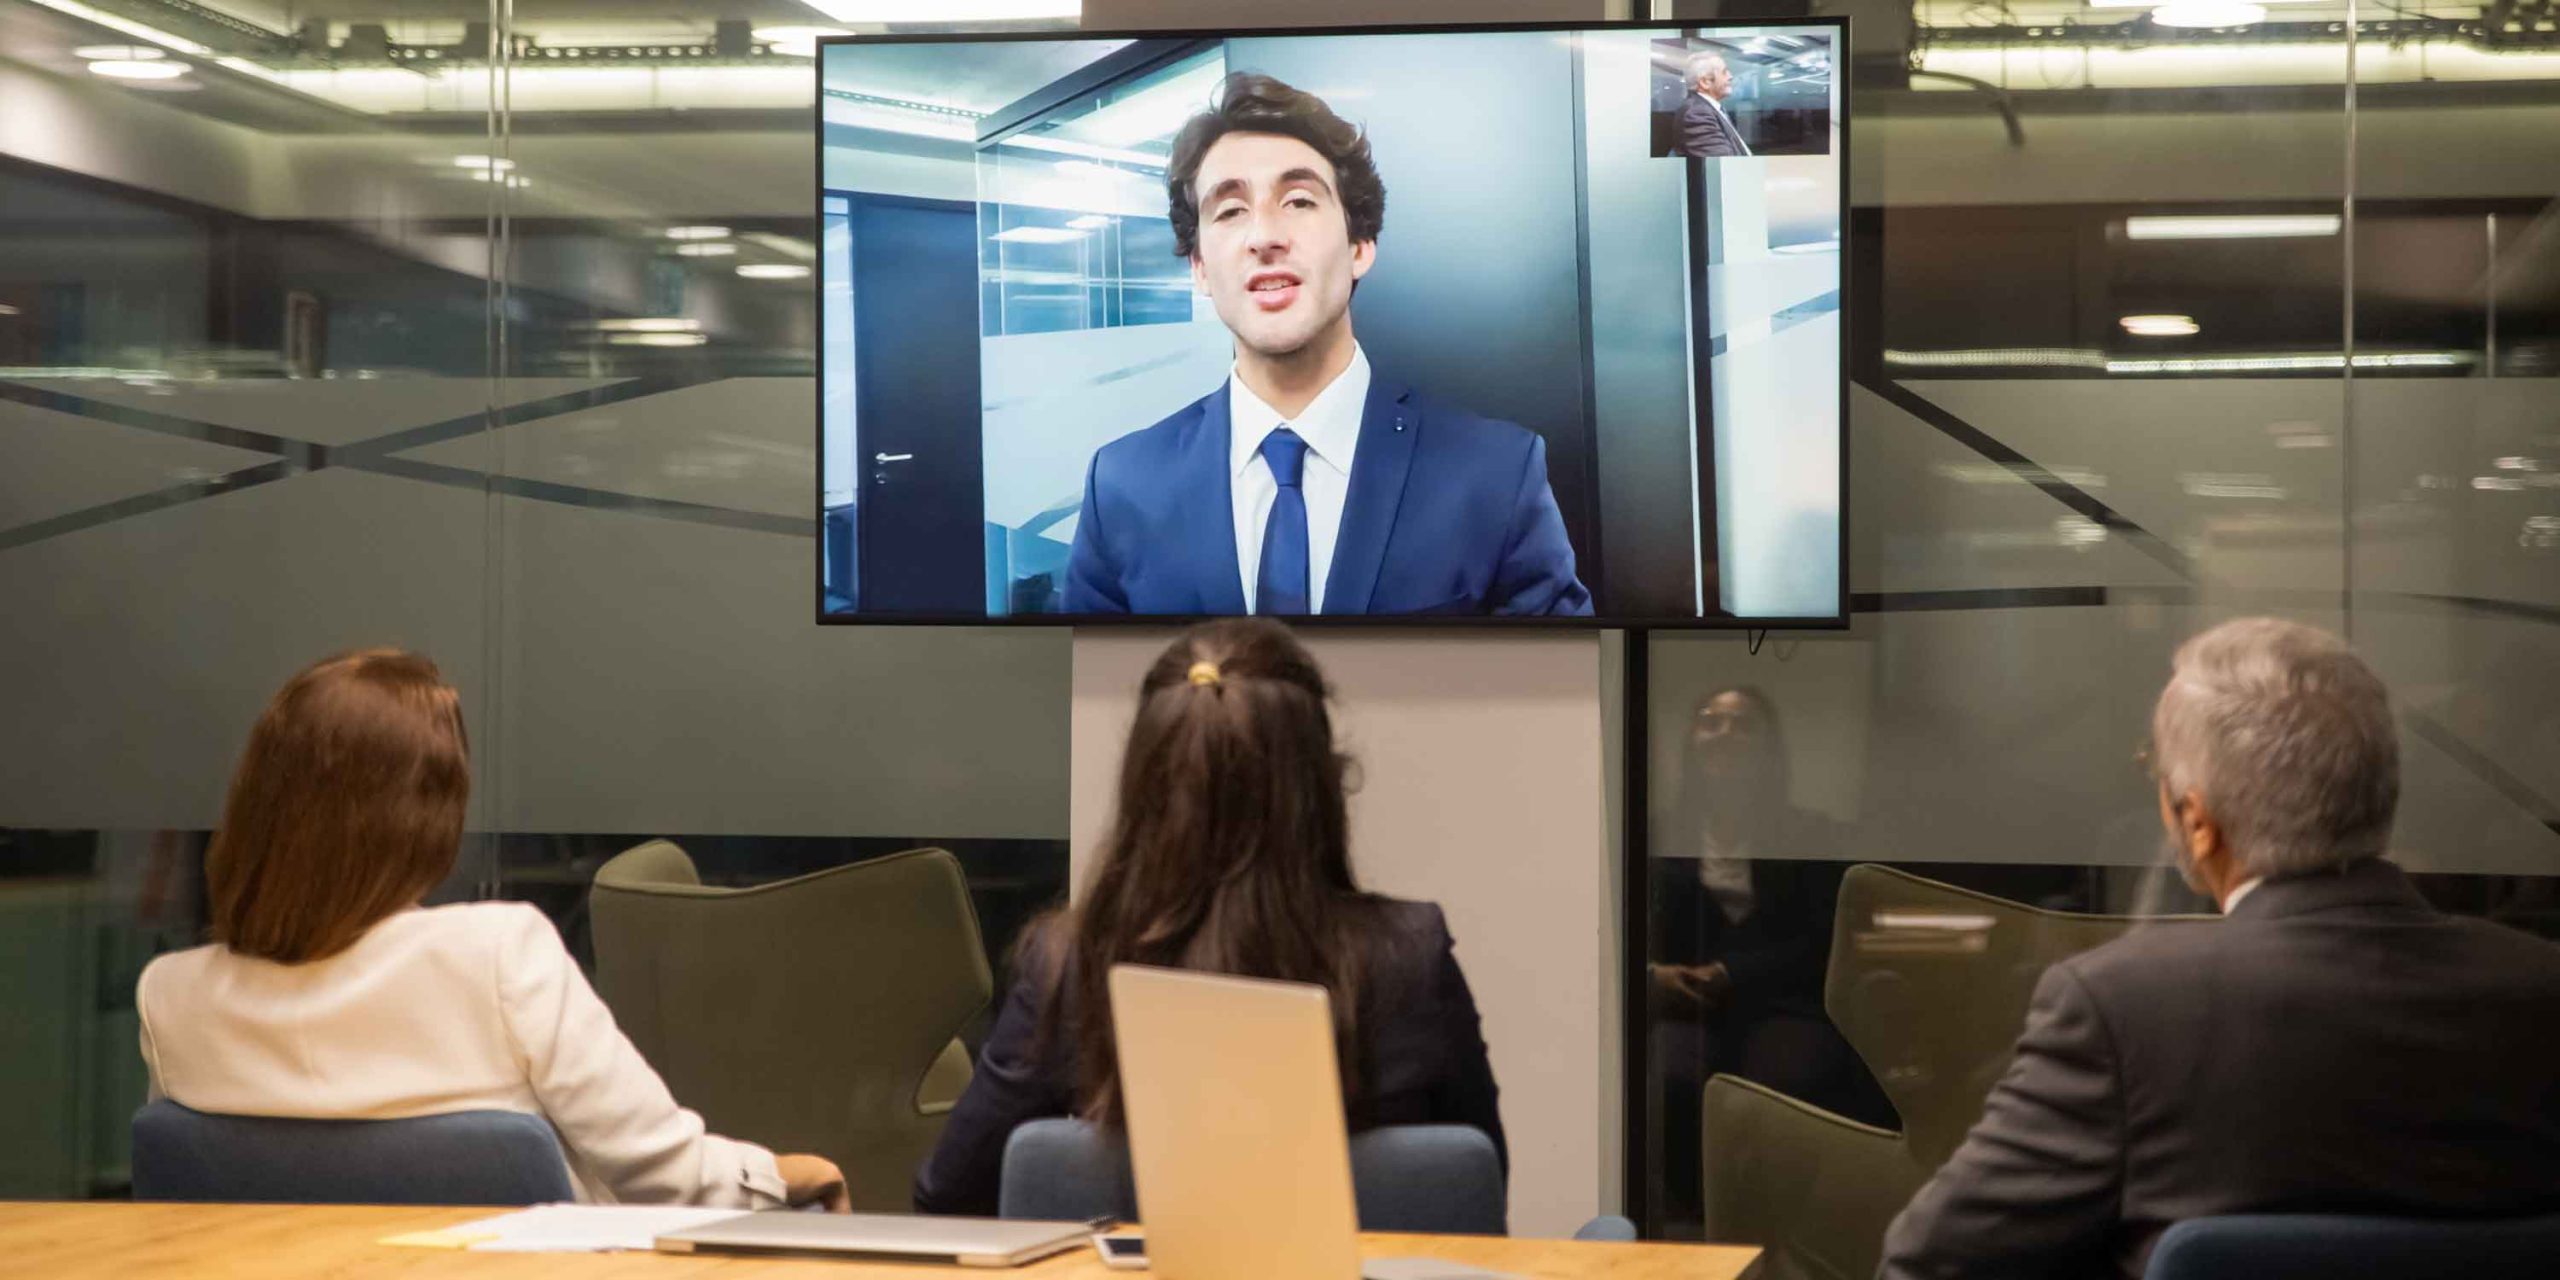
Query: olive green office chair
{"x": 1930, "y": 984}
{"x": 813, "y": 1014}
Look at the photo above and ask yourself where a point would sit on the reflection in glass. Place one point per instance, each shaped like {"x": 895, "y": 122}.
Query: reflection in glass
{"x": 1743, "y": 887}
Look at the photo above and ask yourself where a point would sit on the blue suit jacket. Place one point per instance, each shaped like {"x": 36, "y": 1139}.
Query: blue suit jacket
{"x": 1448, "y": 513}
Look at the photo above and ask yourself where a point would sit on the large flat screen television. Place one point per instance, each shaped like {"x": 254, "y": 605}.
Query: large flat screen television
{"x": 1497, "y": 325}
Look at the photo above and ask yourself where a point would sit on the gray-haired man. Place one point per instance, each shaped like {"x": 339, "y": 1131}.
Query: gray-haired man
{"x": 1705, "y": 130}
{"x": 2334, "y": 1045}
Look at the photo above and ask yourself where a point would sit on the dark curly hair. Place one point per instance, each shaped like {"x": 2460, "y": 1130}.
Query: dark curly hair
{"x": 1249, "y": 102}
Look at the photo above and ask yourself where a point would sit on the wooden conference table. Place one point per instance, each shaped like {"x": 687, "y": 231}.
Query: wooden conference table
{"x": 136, "y": 1241}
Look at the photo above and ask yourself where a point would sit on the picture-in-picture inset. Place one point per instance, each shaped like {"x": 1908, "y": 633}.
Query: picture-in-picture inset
{"x": 1731, "y": 96}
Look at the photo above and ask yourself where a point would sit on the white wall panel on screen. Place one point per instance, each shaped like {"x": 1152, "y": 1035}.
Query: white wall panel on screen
{"x": 837, "y": 429}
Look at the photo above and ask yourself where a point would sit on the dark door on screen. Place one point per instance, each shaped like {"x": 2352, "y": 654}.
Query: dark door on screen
{"x": 922, "y": 503}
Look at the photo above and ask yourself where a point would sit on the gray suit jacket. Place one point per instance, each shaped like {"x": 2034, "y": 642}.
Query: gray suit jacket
{"x": 2336, "y": 1045}
{"x": 1705, "y": 131}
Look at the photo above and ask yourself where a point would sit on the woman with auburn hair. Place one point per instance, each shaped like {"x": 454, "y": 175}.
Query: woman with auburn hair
{"x": 330, "y": 993}
{"x": 1230, "y": 853}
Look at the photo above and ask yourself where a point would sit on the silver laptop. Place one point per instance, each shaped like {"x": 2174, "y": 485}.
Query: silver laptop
{"x": 971, "y": 1242}
{"x": 1236, "y": 1131}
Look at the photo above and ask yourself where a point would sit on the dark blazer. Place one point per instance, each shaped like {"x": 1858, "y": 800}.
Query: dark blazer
{"x": 1448, "y": 513}
{"x": 1778, "y": 954}
{"x": 2336, "y": 1045}
{"x": 1422, "y": 1060}
{"x": 1705, "y": 132}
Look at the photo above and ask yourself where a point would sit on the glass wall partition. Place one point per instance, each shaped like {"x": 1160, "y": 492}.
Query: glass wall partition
{"x": 486, "y": 331}
{"x": 2154, "y": 325}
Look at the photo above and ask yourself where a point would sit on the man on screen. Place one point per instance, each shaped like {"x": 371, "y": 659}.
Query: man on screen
{"x": 1308, "y": 482}
{"x": 1706, "y": 131}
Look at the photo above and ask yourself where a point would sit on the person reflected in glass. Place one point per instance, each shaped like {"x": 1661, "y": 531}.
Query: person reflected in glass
{"x": 1744, "y": 884}
{"x": 1229, "y": 852}
{"x": 330, "y": 992}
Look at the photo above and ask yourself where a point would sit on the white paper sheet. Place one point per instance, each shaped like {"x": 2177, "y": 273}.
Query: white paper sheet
{"x": 1427, "y": 1269}
{"x": 584, "y": 1228}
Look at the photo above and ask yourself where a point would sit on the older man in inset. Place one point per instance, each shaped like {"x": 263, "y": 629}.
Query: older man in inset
{"x": 2334, "y": 1045}
{"x": 1705, "y": 130}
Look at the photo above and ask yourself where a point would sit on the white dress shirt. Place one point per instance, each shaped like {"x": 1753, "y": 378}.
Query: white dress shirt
{"x": 1331, "y": 428}
{"x": 461, "y": 1008}
{"x": 2239, "y": 891}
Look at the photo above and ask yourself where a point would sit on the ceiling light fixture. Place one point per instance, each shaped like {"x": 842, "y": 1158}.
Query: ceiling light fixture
{"x": 896, "y": 11}
{"x": 2159, "y": 326}
{"x": 1039, "y": 235}
{"x": 2209, "y": 14}
{"x": 647, "y": 324}
{"x": 697, "y": 233}
{"x": 713, "y": 249}
{"x": 2233, "y": 226}
{"x": 773, "y": 271}
{"x": 128, "y": 26}
{"x": 484, "y": 164}
{"x": 119, "y": 53}
{"x": 138, "y": 69}
{"x": 657, "y": 340}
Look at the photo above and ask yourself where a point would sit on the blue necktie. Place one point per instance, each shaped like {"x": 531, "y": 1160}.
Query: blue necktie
{"x": 1281, "y": 587}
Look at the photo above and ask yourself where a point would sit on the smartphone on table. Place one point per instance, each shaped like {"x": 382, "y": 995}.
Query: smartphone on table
{"x": 1122, "y": 1250}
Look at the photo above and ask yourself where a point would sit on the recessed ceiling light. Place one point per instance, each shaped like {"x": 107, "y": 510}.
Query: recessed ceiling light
{"x": 138, "y": 69}
{"x": 648, "y": 324}
{"x": 657, "y": 340}
{"x": 697, "y": 233}
{"x": 1039, "y": 235}
{"x": 2245, "y": 226}
{"x": 119, "y": 53}
{"x": 484, "y": 164}
{"x": 2209, "y": 14}
{"x": 2159, "y": 326}
{"x": 7, "y": 310}
{"x": 711, "y": 249}
{"x": 774, "y": 271}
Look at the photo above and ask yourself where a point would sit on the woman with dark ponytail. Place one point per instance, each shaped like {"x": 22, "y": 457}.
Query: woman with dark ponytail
{"x": 1229, "y": 853}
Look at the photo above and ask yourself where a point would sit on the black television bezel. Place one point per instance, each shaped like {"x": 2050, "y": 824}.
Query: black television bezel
{"x": 1672, "y": 28}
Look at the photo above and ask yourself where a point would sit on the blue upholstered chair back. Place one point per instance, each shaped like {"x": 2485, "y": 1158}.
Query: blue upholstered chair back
{"x": 2321, "y": 1246}
{"x": 1433, "y": 1177}
{"x": 466, "y": 1157}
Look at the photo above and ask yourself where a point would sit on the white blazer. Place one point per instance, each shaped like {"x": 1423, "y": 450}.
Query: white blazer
{"x": 460, "y": 1008}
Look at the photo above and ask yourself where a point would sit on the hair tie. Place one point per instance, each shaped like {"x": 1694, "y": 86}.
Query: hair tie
{"x": 1204, "y": 673}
